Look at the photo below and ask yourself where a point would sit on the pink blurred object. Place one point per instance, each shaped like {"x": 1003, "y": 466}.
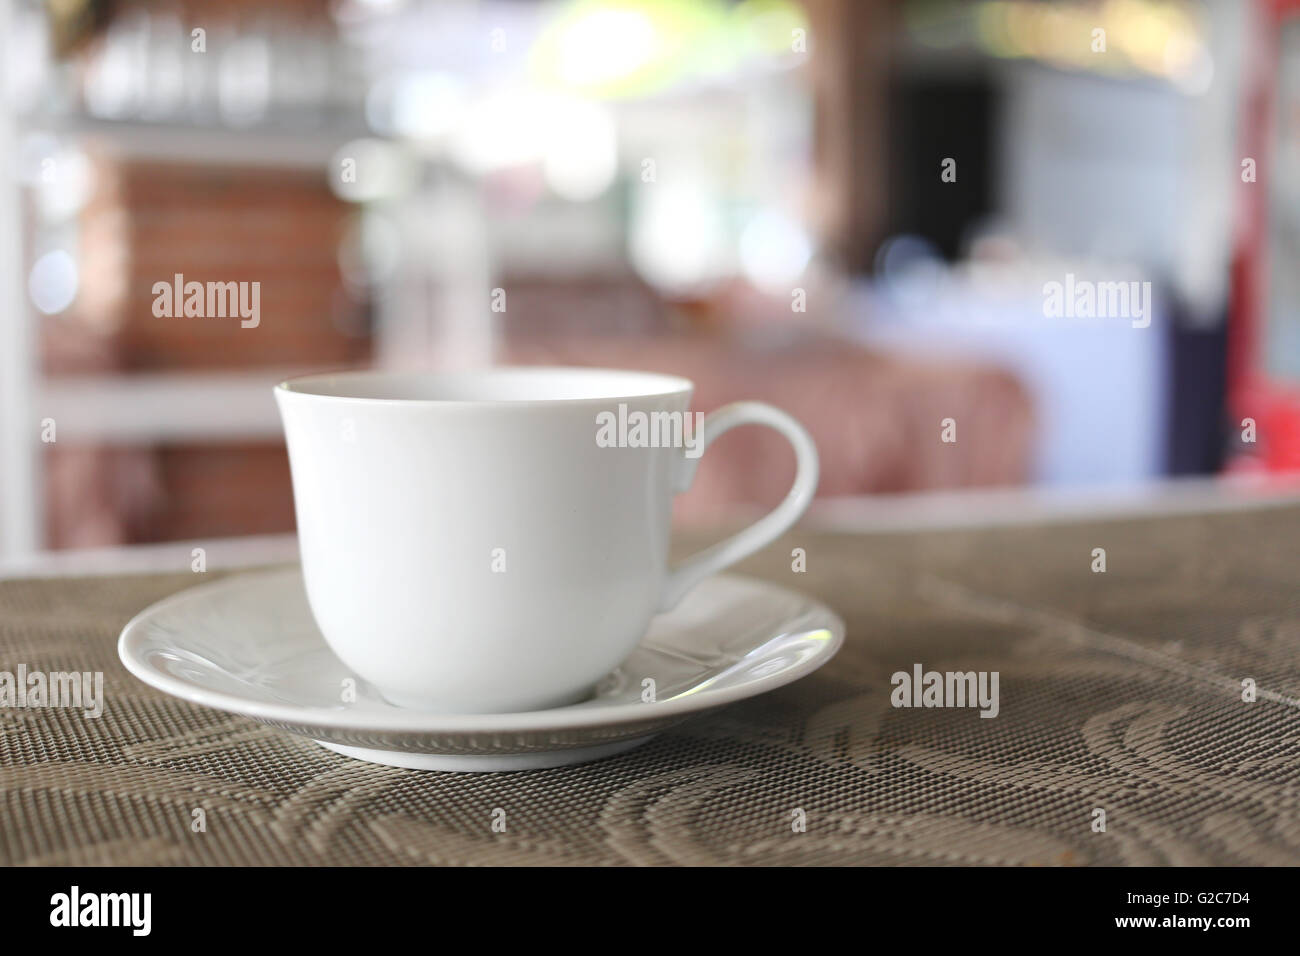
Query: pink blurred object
{"x": 877, "y": 419}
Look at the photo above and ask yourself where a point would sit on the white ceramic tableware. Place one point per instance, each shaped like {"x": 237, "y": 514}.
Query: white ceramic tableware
{"x": 497, "y": 541}
{"x": 248, "y": 645}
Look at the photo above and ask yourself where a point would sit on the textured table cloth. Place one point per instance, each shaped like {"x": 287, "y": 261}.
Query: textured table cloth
{"x": 1121, "y": 703}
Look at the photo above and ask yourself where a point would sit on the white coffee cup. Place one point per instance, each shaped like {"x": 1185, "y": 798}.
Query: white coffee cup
{"x": 471, "y": 542}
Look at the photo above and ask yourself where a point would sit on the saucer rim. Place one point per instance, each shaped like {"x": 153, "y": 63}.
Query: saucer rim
{"x": 421, "y": 722}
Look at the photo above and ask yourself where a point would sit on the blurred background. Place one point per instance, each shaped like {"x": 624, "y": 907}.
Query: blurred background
{"x": 853, "y": 209}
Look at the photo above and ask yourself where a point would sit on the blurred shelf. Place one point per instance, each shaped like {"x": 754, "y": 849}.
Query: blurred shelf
{"x": 219, "y": 553}
{"x": 1008, "y": 507}
{"x": 156, "y": 407}
{"x": 266, "y": 146}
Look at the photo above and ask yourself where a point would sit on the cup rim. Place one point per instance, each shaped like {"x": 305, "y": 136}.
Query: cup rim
{"x": 651, "y": 385}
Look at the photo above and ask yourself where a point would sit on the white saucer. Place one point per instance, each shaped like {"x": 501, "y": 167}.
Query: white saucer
{"x": 248, "y": 644}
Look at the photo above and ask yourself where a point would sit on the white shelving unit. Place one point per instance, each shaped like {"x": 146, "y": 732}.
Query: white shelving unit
{"x": 260, "y": 146}
{"x": 155, "y": 407}
{"x": 147, "y": 408}
{"x": 20, "y": 486}
{"x": 139, "y": 408}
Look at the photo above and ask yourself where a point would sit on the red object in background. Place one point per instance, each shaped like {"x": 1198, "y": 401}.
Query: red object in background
{"x": 1252, "y": 392}
{"x": 1281, "y": 426}
{"x": 1275, "y": 409}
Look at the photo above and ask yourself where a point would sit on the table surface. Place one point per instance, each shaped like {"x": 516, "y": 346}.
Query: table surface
{"x": 1123, "y": 735}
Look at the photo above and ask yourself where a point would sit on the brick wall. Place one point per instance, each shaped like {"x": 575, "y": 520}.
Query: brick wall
{"x": 147, "y": 222}
{"x": 277, "y": 228}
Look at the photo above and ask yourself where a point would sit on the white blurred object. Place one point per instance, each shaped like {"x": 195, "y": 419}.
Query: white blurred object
{"x": 581, "y": 152}
{"x": 26, "y": 65}
{"x": 167, "y": 45}
{"x": 420, "y": 106}
{"x": 436, "y": 308}
{"x": 605, "y": 45}
{"x": 774, "y": 251}
{"x": 365, "y": 170}
{"x": 115, "y": 79}
{"x": 64, "y": 184}
{"x": 504, "y": 129}
{"x": 53, "y": 282}
{"x": 679, "y": 240}
{"x": 244, "y": 80}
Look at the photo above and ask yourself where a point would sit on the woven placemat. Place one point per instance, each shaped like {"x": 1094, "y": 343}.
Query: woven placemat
{"x": 1122, "y": 735}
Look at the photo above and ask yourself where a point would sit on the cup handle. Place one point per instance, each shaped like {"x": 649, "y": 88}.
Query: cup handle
{"x": 768, "y": 528}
